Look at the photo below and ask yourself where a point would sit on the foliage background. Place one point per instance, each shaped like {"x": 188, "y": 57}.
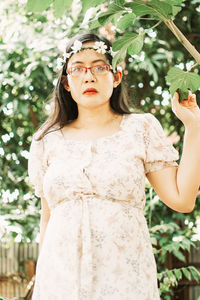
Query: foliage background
{"x": 30, "y": 43}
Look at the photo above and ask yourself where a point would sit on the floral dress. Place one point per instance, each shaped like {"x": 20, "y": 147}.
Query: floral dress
{"x": 97, "y": 244}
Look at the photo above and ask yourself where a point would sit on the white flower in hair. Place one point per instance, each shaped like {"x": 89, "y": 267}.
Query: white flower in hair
{"x": 100, "y": 47}
{"x": 77, "y": 46}
{"x": 66, "y": 55}
{"x": 59, "y": 64}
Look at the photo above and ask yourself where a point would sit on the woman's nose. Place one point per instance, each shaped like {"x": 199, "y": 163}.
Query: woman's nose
{"x": 88, "y": 74}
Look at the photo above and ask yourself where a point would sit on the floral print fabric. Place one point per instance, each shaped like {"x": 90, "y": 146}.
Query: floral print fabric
{"x": 97, "y": 245}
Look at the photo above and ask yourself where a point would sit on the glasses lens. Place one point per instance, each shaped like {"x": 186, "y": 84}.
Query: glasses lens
{"x": 76, "y": 71}
{"x": 100, "y": 69}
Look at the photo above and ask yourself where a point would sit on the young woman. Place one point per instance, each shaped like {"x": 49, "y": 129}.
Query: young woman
{"x": 88, "y": 164}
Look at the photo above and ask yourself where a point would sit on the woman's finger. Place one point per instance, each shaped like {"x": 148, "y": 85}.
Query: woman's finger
{"x": 192, "y": 97}
{"x": 175, "y": 101}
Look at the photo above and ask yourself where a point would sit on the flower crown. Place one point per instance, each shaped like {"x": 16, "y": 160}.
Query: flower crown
{"x": 100, "y": 47}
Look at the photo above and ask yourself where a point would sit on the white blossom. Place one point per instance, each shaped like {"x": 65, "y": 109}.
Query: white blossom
{"x": 66, "y": 55}
{"x": 60, "y": 62}
{"x": 100, "y": 47}
{"x": 76, "y": 46}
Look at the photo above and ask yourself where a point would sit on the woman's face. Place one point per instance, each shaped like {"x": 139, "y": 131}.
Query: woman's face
{"x": 103, "y": 83}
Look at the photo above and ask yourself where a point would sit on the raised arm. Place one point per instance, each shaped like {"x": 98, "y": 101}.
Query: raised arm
{"x": 177, "y": 187}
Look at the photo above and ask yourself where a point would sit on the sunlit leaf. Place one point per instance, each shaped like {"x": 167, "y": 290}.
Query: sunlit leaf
{"x": 114, "y": 10}
{"x": 38, "y": 5}
{"x": 136, "y": 45}
{"x": 86, "y": 4}
{"x": 60, "y": 6}
{"x": 160, "y": 10}
{"x": 126, "y": 21}
{"x": 119, "y": 57}
{"x": 195, "y": 273}
{"x": 187, "y": 273}
{"x": 183, "y": 81}
{"x": 94, "y": 24}
{"x": 173, "y": 2}
{"x": 178, "y": 274}
{"x": 129, "y": 39}
{"x": 179, "y": 255}
{"x": 140, "y": 8}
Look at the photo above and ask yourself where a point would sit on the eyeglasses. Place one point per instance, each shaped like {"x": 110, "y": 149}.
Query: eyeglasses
{"x": 95, "y": 70}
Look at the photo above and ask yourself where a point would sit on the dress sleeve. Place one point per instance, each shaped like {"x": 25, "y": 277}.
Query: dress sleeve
{"x": 159, "y": 151}
{"x": 36, "y": 167}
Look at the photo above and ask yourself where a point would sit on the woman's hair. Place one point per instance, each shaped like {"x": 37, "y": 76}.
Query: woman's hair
{"x": 64, "y": 109}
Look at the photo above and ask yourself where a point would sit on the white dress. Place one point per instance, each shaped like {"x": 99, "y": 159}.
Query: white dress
{"x": 97, "y": 244}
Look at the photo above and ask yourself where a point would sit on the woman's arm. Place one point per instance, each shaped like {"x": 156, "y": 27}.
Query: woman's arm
{"x": 178, "y": 187}
{"x": 45, "y": 215}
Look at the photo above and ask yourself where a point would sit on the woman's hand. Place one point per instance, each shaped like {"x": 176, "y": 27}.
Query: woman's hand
{"x": 187, "y": 110}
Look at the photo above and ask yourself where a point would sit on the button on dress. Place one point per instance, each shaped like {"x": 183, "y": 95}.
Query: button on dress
{"x": 97, "y": 244}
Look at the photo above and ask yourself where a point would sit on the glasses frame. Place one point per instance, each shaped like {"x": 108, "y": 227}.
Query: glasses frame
{"x": 87, "y": 68}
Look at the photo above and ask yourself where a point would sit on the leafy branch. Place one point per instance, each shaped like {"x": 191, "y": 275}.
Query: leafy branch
{"x": 183, "y": 40}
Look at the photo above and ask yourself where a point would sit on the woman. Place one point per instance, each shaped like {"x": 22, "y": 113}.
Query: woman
{"x": 88, "y": 164}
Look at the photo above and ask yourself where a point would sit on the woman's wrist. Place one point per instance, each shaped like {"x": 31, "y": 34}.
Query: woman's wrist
{"x": 193, "y": 127}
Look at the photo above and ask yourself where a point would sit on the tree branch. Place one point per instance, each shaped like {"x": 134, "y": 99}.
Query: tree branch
{"x": 183, "y": 40}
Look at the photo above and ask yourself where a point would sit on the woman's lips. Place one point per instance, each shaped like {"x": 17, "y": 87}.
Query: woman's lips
{"x": 90, "y": 93}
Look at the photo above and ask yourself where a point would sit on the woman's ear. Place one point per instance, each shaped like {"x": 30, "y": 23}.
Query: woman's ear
{"x": 65, "y": 83}
{"x": 117, "y": 78}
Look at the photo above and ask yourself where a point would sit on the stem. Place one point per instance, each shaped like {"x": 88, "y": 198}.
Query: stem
{"x": 158, "y": 23}
{"x": 182, "y": 39}
{"x": 192, "y": 67}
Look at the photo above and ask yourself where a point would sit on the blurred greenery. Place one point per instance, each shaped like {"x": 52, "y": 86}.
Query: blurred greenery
{"x": 30, "y": 43}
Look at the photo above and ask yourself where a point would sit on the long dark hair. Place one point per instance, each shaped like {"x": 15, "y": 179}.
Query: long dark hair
{"x": 64, "y": 108}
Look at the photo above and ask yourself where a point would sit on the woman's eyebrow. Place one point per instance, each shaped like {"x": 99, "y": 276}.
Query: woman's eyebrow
{"x": 94, "y": 61}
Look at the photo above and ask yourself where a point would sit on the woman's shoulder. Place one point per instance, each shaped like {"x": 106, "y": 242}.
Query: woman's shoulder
{"x": 42, "y": 135}
{"x": 141, "y": 121}
{"x": 139, "y": 117}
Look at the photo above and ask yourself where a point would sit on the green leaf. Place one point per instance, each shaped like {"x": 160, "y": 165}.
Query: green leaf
{"x": 108, "y": 18}
{"x": 86, "y": 4}
{"x": 179, "y": 255}
{"x": 178, "y": 274}
{"x": 119, "y": 57}
{"x": 186, "y": 273}
{"x": 195, "y": 273}
{"x": 114, "y": 11}
{"x": 176, "y": 10}
{"x": 94, "y": 24}
{"x": 60, "y": 6}
{"x": 136, "y": 45}
{"x": 160, "y": 10}
{"x": 38, "y": 5}
{"x": 120, "y": 2}
{"x": 140, "y": 9}
{"x": 126, "y": 21}
{"x": 129, "y": 39}
{"x": 183, "y": 81}
{"x": 173, "y": 2}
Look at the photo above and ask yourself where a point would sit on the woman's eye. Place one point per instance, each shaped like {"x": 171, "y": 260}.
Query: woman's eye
{"x": 100, "y": 67}
{"x": 77, "y": 68}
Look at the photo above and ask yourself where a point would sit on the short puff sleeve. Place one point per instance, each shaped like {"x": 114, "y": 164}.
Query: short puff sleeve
{"x": 159, "y": 151}
{"x": 36, "y": 165}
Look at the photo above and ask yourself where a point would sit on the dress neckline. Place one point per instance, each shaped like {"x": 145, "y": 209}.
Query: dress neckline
{"x": 103, "y": 138}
